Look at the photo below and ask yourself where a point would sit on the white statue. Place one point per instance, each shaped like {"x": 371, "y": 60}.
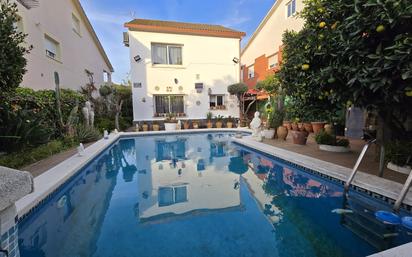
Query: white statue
{"x": 255, "y": 125}
{"x": 179, "y": 125}
{"x": 88, "y": 114}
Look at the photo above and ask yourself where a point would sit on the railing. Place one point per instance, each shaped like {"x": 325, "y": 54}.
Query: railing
{"x": 403, "y": 193}
{"x": 356, "y": 167}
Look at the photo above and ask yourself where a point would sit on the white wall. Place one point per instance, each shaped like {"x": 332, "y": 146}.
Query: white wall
{"x": 210, "y": 57}
{"x": 54, "y": 18}
{"x": 268, "y": 40}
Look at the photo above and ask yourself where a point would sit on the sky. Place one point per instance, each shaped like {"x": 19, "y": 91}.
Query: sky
{"x": 108, "y": 17}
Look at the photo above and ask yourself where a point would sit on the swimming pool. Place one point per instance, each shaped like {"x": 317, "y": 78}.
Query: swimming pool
{"x": 201, "y": 195}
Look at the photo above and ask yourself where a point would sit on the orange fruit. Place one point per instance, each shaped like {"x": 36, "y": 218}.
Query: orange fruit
{"x": 380, "y": 28}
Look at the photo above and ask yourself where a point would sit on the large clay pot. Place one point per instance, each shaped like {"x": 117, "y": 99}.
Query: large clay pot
{"x": 156, "y": 127}
{"x": 308, "y": 127}
{"x": 145, "y": 127}
{"x": 299, "y": 137}
{"x": 317, "y": 126}
{"x": 288, "y": 125}
{"x": 329, "y": 129}
{"x": 219, "y": 124}
{"x": 300, "y": 126}
{"x": 294, "y": 126}
{"x": 209, "y": 124}
{"x": 229, "y": 124}
{"x": 186, "y": 125}
{"x": 282, "y": 133}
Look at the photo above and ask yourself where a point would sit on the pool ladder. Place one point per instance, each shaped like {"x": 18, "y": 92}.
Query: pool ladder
{"x": 405, "y": 187}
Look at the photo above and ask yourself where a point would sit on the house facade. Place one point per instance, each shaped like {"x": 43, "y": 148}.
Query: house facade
{"x": 64, "y": 42}
{"x": 182, "y": 68}
{"x": 262, "y": 55}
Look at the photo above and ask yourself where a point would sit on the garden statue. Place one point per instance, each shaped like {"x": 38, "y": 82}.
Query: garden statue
{"x": 88, "y": 114}
{"x": 255, "y": 125}
{"x": 179, "y": 125}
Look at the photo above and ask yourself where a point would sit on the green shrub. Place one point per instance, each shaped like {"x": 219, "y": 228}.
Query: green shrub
{"x": 87, "y": 134}
{"x": 28, "y": 156}
{"x": 104, "y": 123}
{"x": 323, "y": 138}
{"x": 399, "y": 153}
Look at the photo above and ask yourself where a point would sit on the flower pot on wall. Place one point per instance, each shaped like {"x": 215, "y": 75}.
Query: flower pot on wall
{"x": 209, "y": 124}
{"x": 219, "y": 124}
{"x": 329, "y": 129}
{"x": 308, "y": 127}
{"x": 282, "y": 133}
{"x": 195, "y": 125}
{"x": 170, "y": 126}
{"x": 186, "y": 125}
{"x": 318, "y": 126}
{"x": 229, "y": 124}
{"x": 299, "y": 137}
{"x": 145, "y": 127}
{"x": 401, "y": 169}
{"x": 288, "y": 125}
{"x": 268, "y": 133}
{"x": 294, "y": 126}
{"x": 156, "y": 127}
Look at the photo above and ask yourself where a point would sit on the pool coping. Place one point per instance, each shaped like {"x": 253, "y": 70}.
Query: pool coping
{"x": 376, "y": 186}
{"x": 49, "y": 181}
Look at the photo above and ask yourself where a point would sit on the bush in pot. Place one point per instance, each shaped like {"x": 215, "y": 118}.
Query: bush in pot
{"x": 219, "y": 121}
{"x": 329, "y": 142}
{"x": 186, "y": 124}
{"x": 155, "y": 126}
{"x": 398, "y": 154}
{"x": 300, "y": 136}
{"x": 170, "y": 122}
{"x": 229, "y": 122}
{"x": 209, "y": 117}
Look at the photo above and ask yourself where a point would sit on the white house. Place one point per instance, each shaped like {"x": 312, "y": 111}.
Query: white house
{"x": 182, "y": 68}
{"x": 63, "y": 41}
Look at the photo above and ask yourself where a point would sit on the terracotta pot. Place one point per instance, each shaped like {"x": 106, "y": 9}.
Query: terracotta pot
{"x": 299, "y": 137}
{"x": 195, "y": 125}
{"x": 329, "y": 129}
{"x": 229, "y": 124}
{"x": 294, "y": 126}
{"x": 300, "y": 126}
{"x": 156, "y": 127}
{"x": 308, "y": 127}
{"x": 219, "y": 124}
{"x": 186, "y": 125}
{"x": 317, "y": 126}
{"x": 288, "y": 125}
{"x": 145, "y": 127}
{"x": 282, "y": 133}
{"x": 209, "y": 124}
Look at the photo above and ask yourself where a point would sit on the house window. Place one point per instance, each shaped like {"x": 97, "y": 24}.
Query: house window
{"x": 251, "y": 72}
{"x": 169, "y": 104}
{"x": 52, "y": 48}
{"x": 291, "y": 8}
{"x": 76, "y": 24}
{"x": 273, "y": 61}
{"x": 167, "y": 54}
{"x": 172, "y": 195}
{"x": 217, "y": 102}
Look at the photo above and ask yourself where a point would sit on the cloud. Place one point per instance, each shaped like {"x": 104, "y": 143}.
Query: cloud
{"x": 237, "y": 16}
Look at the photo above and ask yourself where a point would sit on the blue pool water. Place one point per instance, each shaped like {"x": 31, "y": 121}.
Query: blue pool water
{"x": 201, "y": 195}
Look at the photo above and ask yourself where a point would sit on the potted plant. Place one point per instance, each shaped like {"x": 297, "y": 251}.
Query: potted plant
{"x": 219, "y": 121}
{"x": 209, "y": 117}
{"x": 300, "y": 136}
{"x": 155, "y": 126}
{"x": 186, "y": 124}
{"x": 398, "y": 154}
{"x": 145, "y": 126}
{"x": 170, "y": 122}
{"x": 294, "y": 124}
{"x": 319, "y": 120}
{"x": 229, "y": 122}
{"x": 330, "y": 143}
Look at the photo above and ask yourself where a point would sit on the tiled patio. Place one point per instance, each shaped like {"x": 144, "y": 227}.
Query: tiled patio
{"x": 370, "y": 164}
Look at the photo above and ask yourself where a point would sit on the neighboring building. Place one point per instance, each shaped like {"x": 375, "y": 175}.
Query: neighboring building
{"x": 63, "y": 41}
{"x": 182, "y": 68}
{"x": 263, "y": 53}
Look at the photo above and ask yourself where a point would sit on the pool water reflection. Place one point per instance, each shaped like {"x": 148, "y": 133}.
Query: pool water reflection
{"x": 200, "y": 195}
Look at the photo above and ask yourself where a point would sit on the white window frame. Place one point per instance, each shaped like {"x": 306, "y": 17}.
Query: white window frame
{"x": 170, "y": 103}
{"x": 76, "y": 24}
{"x": 168, "y": 46}
{"x": 213, "y": 99}
{"x": 291, "y": 8}
{"x": 53, "y": 55}
{"x": 276, "y": 63}
{"x": 251, "y": 71}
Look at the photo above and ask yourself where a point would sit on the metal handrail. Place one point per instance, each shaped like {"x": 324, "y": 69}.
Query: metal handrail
{"x": 403, "y": 193}
{"x": 358, "y": 162}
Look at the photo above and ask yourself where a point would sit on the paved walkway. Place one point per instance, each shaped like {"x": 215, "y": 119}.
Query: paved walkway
{"x": 370, "y": 164}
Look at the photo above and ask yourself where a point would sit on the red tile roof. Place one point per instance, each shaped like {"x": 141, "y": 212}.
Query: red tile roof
{"x": 183, "y": 28}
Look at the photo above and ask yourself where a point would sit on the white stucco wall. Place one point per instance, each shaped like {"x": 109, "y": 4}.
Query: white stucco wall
{"x": 268, "y": 37}
{"x": 78, "y": 52}
{"x": 209, "y": 57}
